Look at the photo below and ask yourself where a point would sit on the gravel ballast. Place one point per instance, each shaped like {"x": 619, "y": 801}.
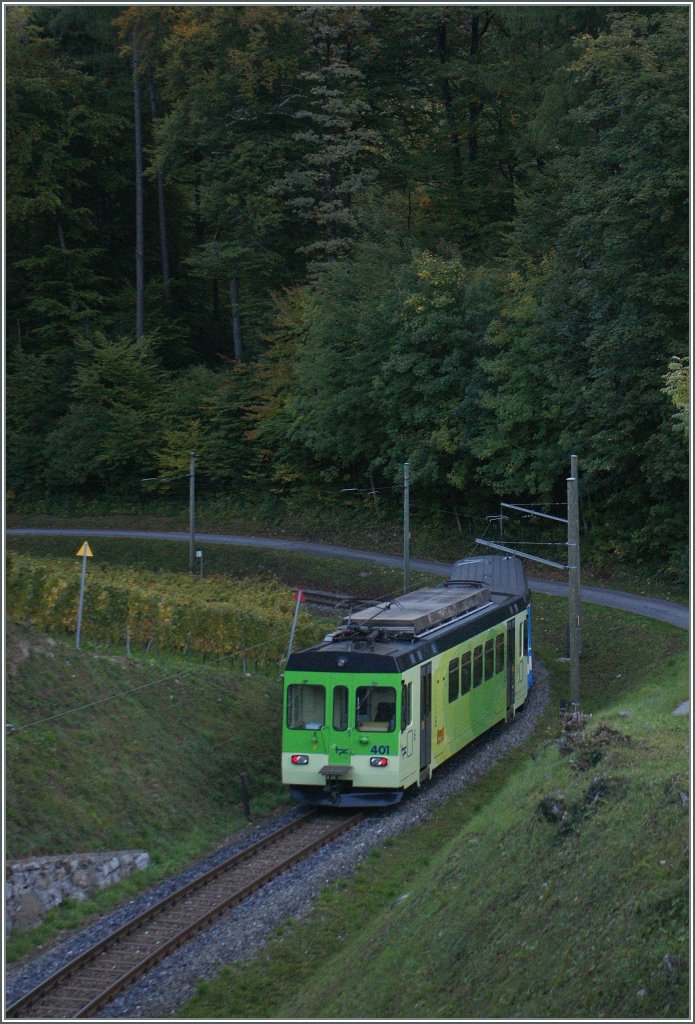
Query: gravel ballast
{"x": 239, "y": 933}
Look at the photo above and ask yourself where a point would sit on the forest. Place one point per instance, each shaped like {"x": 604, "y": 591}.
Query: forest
{"x": 312, "y": 243}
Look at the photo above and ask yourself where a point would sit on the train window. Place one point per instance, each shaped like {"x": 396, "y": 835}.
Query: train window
{"x": 489, "y": 659}
{"x": 375, "y": 708}
{"x": 453, "y": 679}
{"x": 477, "y": 666}
{"x": 406, "y": 705}
{"x": 499, "y": 652}
{"x": 306, "y": 706}
{"x": 466, "y": 672}
{"x": 340, "y": 708}
{"x": 425, "y": 690}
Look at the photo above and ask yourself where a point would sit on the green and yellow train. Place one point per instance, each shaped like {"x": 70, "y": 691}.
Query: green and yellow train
{"x": 400, "y": 687}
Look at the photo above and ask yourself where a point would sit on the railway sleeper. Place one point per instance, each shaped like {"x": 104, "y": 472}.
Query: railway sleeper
{"x": 111, "y": 966}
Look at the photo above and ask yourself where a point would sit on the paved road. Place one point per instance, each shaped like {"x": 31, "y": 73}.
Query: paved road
{"x": 651, "y": 607}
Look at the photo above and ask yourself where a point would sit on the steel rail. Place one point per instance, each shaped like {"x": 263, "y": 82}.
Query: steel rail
{"x": 132, "y": 970}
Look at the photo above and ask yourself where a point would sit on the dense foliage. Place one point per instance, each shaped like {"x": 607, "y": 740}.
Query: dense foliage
{"x": 312, "y": 243}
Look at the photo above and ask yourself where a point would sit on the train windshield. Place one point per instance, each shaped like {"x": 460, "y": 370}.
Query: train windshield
{"x": 375, "y": 708}
{"x": 306, "y": 706}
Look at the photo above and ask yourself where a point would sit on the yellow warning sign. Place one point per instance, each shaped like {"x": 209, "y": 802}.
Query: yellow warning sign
{"x": 85, "y": 550}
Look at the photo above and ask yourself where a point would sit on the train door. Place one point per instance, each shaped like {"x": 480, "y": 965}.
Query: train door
{"x": 408, "y": 729}
{"x": 425, "y": 719}
{"x": 338, "y": 731}
{"x": 511, "y": 667}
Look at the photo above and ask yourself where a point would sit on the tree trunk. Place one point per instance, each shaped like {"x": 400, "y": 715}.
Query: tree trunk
{"x": 236, "y": 319}
{"x": 448, "y": 101}
{"x": 163, "y": 232}
{"x": 475, "y": 107}
{"x": 64, "y": 248}
{"x": 139, "y": 205}
{"x": 198, "y": 229}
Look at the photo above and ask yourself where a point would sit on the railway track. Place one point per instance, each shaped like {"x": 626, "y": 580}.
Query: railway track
{"x": 95, "y": 977}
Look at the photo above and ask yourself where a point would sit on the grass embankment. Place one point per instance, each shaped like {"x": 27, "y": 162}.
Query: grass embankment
{"x": 556, "y": 887}
{"x": 157, "y": 767}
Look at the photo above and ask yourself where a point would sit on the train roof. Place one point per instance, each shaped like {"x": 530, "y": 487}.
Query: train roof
{"x": 502, "y": 574}
{"x": 417, "y": 612}
{"x": 394, "y": 635}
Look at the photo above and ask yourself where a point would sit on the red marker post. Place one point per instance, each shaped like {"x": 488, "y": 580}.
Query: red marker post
{"x": 298, "y": 597}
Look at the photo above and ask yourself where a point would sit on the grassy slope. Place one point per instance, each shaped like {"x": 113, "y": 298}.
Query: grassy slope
{"x": 158, "y": 768}
{"x": 515, "y": 915}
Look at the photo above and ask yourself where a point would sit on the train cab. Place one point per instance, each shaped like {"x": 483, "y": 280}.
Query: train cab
{"x": 399, "y": 687}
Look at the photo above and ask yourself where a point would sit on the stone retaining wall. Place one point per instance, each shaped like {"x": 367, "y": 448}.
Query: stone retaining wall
{"x": 37, "y": 884}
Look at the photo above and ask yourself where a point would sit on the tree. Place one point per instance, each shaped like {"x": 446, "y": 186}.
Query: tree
{"x": 139, "y": 193}
{"x": 54, "y": 286}
{"x": 203, "y": 411}
{"x": 677, "y": 387}
{"x": 112, "y": 424}
{"x": 427, "y": 387}
{"x": 376, "y": 364}
{"x": 336, "y": 144}
{"x": 227, "y": 82}
{"x": 600, "y": 246}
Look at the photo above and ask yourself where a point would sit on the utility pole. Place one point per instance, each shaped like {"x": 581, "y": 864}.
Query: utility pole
{"x": 191, "y": 512}
{"x": 406, "y": 527}
{"x": 573, "y": 567}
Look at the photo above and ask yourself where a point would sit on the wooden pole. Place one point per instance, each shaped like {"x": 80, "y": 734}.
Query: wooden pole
{"x": 191, "y": 513}
{"x": 406, "y": 527}
{"x": 573, "y": 565}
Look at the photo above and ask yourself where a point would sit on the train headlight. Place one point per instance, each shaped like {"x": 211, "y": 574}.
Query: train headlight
{"x": 300, "y": 759}
{"x": 378, "y": 762}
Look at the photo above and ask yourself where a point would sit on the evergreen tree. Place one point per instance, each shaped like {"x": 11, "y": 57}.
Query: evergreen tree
{"x": 336, "y": 144}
